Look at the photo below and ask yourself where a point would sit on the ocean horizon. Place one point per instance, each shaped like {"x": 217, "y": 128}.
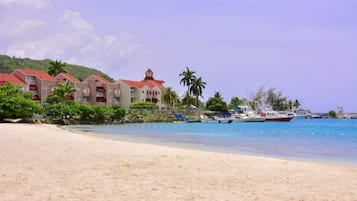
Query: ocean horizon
{"x": 331, "y": 140}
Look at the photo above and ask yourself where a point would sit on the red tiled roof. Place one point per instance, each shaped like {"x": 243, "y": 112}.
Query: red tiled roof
{"x": 37, "y": 73}
{"x": 149, "y": 70}
{"x": 69, "y": 77}
{"x": 150, "y": 83}
{"x": 10, "y": 78}
{"x": 98, "y": 77}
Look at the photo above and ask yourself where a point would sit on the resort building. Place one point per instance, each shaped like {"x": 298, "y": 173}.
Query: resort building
{"x": 9, "y": 78}
{"x": 149, "y": 89}
{"x": 95, "y": 90}
{"x": 40, "y": 83}
{"x": 99, "y": 91}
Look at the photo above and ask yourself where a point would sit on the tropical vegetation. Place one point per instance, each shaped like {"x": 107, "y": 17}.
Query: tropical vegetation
{"x": 169, "y": 97}
{"x": 9, "y": 64}
{"x": 216, "y": 103}
{"x": 16, "y": 104}
{"x": 195, "y": 86}
{"x": 56, "y": 67}
{"x": 143, "y": 105}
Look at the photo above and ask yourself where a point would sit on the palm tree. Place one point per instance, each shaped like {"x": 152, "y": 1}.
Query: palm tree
{"x": 187, "y": 78}
{"x": 56, "y": 67}
{"x": 196, "y": 88}
{"x": 169, "y": 97}
{"x": 61, "y": 94}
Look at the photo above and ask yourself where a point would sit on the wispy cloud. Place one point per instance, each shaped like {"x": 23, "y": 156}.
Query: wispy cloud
{"x": 76, "y": 41}
{"x": 39, "y": 4}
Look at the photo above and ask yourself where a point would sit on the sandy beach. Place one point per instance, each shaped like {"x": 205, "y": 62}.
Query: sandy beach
{"x": 44, "y": 162}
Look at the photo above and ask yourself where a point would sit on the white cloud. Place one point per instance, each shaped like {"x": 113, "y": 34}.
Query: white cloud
{"x": 15, "y": 29}
{"x": 76, "y": 41}
{"x": 39, "y": 4}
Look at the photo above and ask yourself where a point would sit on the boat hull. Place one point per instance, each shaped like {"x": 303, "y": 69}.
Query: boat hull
{"x": 282, "y": 119}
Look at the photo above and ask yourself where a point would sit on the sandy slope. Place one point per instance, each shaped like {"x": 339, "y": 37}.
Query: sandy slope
{"x": 43, "y": 162}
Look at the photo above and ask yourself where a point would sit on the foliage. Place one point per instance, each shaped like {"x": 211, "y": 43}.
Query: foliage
{"x": 61, "y": 94}
{"x": 187, "y": 99}
{"x": 169, "y": 97}
{"x": 9, "y": 64}
{"x": 272, "y": 98}
{"x": 143, "y": 105}
{"x": 15, "y": 104}
{"x": 332, "y": 114}
{"x": 63, "y": 110}
{"x": 91, "y": 113}
{"x": 216, "y": 103}
{"x": 235, "y": 101}
{"x": 56, "y": 67}
{"x": 197, "y": 88}
{"x": 188, "y": 77}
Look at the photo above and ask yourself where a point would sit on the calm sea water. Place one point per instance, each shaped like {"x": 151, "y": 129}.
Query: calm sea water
{"x": 316, "y": 139}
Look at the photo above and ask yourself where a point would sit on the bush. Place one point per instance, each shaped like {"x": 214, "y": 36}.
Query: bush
{"x": 143, "y": 105}
{"x": 15, "y": 104}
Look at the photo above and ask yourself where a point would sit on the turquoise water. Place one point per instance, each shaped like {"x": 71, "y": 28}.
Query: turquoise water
{"x": 317, "y": 139}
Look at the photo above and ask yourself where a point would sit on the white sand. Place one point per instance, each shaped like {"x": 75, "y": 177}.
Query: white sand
{"x": 43, "y": 162}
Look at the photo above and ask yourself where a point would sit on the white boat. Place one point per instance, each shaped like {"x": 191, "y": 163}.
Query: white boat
{"x": 276, "y": 116}
{"x": 246, "y": 114}
{"x": 215, "y": 119}
{"x": 302, "y": 114}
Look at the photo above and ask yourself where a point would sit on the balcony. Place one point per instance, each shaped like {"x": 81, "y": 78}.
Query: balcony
{"x": 69, "y": 97}
{"x": 101, "y": 89}
{"x": 33, "y": 87}
{"x": 100, "y": 99}
{"x": 35, "y": 97}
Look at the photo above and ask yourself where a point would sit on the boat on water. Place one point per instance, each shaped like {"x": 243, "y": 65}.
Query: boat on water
{"x": 215, "y": 119}
{"x": 276, "y": 116}
{"x": 302, "y": 114}
{"x": 244, "y": 113}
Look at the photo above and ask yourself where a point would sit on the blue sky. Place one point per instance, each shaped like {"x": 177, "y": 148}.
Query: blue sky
{"x": 307, "y": 49}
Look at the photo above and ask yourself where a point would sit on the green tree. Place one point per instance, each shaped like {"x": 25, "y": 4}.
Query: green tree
{"x": 216, "y": 103}
{"x": 61, "y": 94}
{"x": 16, "y": 104}
{"x": 187, "y": 78}
{"x": 143, "y": 105}
{"x": 332, "y": 114}
{"x": 56, "y": 67}
{"x": 235, "y": 101}
{"x": 169, "y": 97}
{"x": 197, "y": 88}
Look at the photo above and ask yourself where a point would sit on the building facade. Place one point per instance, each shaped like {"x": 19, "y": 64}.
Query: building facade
{"x": 149, "y": 89}
{"x": 39, "y": 83}
{"x": 94, "y": 90}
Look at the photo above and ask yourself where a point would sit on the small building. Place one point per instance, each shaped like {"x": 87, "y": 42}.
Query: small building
{"x": 97, "y": 90}
{"x": 40, "y": 83}
{"x": 149, "y": 89}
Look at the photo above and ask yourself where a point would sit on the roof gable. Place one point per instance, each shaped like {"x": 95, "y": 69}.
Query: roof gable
{"x": 68, "y": 77}
{"x": 42, "y": 75}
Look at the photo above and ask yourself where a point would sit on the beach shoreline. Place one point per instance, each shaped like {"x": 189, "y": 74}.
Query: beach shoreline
{"x": 46, "y": 162}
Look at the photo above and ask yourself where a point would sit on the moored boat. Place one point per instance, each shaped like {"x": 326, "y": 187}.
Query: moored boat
{"x": 275, "y": 116}
{"x": 214, "y": 119}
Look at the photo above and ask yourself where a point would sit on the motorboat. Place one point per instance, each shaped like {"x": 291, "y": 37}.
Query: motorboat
{"x": 215, "y": 119}
{"x": 276, "y": 116}
{"x": 244, "y": 113}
